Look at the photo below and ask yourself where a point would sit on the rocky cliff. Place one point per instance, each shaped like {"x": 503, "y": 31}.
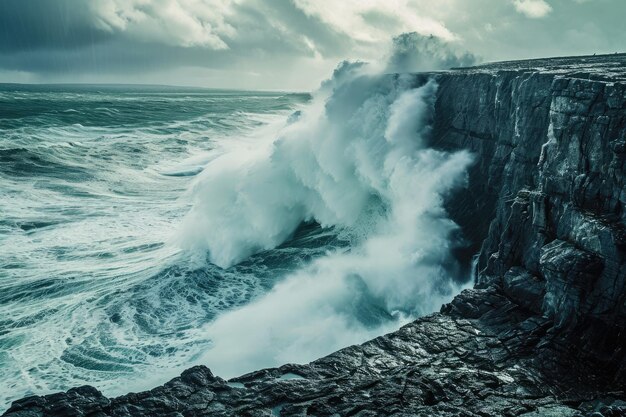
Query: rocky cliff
{"x": 548, "y": 190}
{"x": 543, "y": 333}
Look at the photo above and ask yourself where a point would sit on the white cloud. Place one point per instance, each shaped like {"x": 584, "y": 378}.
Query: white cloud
{"x": 172, "y": 22}
{"x": 352, "y": 29}
{"x": 534, "y": 9}
{"x": 290, "y": 43}
{"x": 361, "y": 19}
{"x": 211, "y": 23}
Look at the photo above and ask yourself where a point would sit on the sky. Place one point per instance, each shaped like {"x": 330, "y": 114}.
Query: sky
{"x": 279, "y": 44}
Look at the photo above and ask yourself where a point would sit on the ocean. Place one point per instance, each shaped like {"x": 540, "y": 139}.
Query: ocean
{"x": 145, "y": 229}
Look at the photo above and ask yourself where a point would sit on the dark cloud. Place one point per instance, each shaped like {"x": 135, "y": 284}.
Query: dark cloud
{"x": 259, "y": 24}
{"x": 63, "y": 37}
{"x": 44, "y": 24}
{"x": 290, "y": 43}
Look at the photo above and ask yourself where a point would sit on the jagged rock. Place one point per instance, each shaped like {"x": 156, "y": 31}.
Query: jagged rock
{"x": 548, "y": 137}
{"x": 441, "y": 365}
{"x": 524, "y": 288}
{"x": 544, "y": 331}
{"x": 571, "y": 274}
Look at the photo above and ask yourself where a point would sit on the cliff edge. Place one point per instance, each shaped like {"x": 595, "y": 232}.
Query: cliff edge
{"x": 543, "y": 333}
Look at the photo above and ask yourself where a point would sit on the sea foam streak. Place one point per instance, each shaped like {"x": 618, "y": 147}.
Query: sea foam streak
{"x": 355, "y": 160}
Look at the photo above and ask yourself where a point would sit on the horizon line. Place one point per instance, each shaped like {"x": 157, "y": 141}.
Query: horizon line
{"x": 104, "y": 84}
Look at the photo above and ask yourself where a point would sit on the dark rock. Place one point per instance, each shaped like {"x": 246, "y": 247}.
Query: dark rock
{"x": 547, "y": 191}
{"x": 524, "y": 288}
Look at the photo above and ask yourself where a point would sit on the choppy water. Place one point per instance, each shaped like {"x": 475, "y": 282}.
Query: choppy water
{"x": 92, "y": 188}
{"x": 144, "y": 230}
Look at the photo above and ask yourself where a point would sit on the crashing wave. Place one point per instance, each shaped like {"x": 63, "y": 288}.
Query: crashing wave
{"x": 354, "y": 160}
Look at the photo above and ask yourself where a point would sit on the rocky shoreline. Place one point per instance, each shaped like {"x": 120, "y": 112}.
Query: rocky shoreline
{"x": 543, "y": 333}
{"x": 483, "y": 355}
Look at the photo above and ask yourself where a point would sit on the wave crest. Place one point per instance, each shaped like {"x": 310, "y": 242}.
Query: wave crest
{"x": 355, "y": 159}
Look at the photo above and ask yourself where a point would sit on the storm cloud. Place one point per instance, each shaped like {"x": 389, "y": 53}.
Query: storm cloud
{"x": 290, "y": 44}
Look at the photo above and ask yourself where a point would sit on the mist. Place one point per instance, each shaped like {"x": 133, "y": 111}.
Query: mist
{"x": 354, "y": 161}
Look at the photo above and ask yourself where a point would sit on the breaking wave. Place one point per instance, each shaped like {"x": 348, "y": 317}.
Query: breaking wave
{"x": 309, "y": 223}
{"x": 354, "y": 162}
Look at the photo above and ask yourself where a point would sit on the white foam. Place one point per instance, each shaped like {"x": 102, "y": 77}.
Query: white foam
{"x": 354, "y": 160}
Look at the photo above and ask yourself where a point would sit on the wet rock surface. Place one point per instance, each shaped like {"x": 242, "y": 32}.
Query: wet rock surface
{"x": 482, "y": 356}
{"x": 547, "y": 189}
{"x": 543, "y": 333}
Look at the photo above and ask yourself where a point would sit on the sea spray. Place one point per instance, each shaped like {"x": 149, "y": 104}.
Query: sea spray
{"x": 354, "y": 161}
{"x": 90, "y": 290}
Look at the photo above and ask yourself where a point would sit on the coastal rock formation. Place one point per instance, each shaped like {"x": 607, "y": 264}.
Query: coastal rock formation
{"x": 548, "y": 189}
{"x": 482, "y": 356}
{"x": 543, "y": 333}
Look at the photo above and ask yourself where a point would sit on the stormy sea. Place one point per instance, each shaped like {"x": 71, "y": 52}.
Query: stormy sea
{"x": 145, "y": 229}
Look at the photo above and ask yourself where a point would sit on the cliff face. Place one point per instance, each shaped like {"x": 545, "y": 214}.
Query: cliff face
{"x": 544, "y": 331}
{"x": 547, "y": 190}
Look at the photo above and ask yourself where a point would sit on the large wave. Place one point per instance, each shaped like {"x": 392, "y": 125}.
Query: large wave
{"x": 354, "y": 160}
